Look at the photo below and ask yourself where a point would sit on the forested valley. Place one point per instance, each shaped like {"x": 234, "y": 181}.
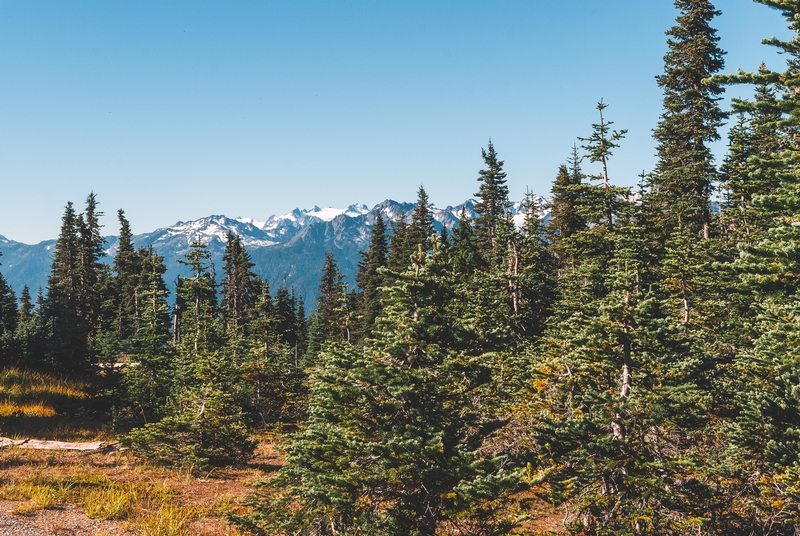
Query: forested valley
{"x": 633, "y": 362}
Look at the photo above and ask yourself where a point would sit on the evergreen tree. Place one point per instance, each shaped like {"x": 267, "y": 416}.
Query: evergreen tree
{"x": 68, "y": 351}
{"x": 203, "y": 423}
{"x": 492, "y": 206}
{"x": 395, "y": 430}
{"x": 331, "y": 310}
{"x": 565, "y": 215}
{"x": 599, "y": 146}
{"x": 682, "y": 183}
{"x": 370, "y": 277}
{"x": 286, "y": 315}
{"x": 124, "y": 299}
{"x": 90, "y": 270}
{"x": 421, "y": 228}
{"x": 620, "y": 406}
{"x": 28, "y": 332}
{"x": 239, "y": 286}
{"x": 197, "y": 293}
{"x": 536, "y": 277}
{"x": 25, "y": 305}
{"x": 464, "y": 249}
{"x": 399, "y": 257}
{"x": 9, "y": 318}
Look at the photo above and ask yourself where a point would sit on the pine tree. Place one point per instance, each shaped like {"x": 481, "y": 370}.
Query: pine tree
{"x": 9, "y": 318}
{"x": 749, "y": 168}
{"x": 394, "y": 436}
{"x": 369, "y": 277}
{"x": 565, "y": 215}
{"x": 203, "y": 423}
{"x": 421, "y": 228}
{"x": 765, "y": 372}
{"x": 28, "y": 333}
{"x": 286, "y": 315}
{"x": 464, "y": 249}
{"x": 239, "y": 286}
{"x": 618, "y": 406}
{"x": 331, "y": 311}
{"x": 198, "y": 294}
{"x": 68, "y": 348}
{"x": 492, "y": 206}
{"x": 399, "y": 257}
{"x": 147, "y": 386}
{"x": 599, "y": 147}
{"x": 682, "y": 183}
{"x": 536, "y": 274}
{"x": 91, "y": 270}
{"x": 25, "y": 305}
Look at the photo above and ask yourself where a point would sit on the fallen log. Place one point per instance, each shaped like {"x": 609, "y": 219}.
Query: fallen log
{"x": 6, "y": 442}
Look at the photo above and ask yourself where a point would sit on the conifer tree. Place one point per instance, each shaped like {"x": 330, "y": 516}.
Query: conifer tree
{"x": 492, "y": 206}
{"x": 25, "y": 305}
{"x": 9, "y": 318}
{"x": 599, "y": 148}
{"x": 620, "y": 406}
{"x": 464, "y": 249}
{"x": 682, "y": 183}
{"x": 239, "y": 286}
{"x": 286, "y": 316}
{"x": 565, "y": 215}
{"x": 766, "y": 381}
{"x": 393, "y": 441}
{"x": 198, "y": 294}
{"x": 90, "y": 270}
{"x": 399, "y": 257}
{"x": 67, "y": 331}
{"x": 204, "y": 423}
{"x": 537, "y": 273}
{"x": 28, "y": 333}
{"x": 369, "y": 277}
{"x": 331, "y": 311}
{"x": 421, "y": 228}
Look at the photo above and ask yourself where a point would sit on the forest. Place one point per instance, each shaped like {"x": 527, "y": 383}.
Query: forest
{"x": 634, "y": 361}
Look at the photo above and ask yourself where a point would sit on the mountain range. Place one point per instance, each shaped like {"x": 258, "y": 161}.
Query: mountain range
{"x": 286, "y": 249}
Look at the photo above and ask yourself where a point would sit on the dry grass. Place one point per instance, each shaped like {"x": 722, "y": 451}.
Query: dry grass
{"x": 117, "y": 491}
{"x": 34, "y": 404}
{"x": 145, "y": 500}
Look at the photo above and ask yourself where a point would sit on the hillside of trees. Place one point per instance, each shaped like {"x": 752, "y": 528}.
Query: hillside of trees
{"x": 634, "y": 362}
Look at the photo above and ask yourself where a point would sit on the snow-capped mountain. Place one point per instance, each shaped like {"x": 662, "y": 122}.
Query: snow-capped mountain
{"x": 286, "y": 249}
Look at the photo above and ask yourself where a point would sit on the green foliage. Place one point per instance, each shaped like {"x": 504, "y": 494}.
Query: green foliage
{"x": 204, "y": 428}
{"x": 685, "y": 172}
{"x": 393, "y": 444}
{"x": 492, "y": 206}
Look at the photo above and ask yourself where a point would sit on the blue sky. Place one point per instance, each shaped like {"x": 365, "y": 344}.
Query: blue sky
{"x": 181, "y": 109}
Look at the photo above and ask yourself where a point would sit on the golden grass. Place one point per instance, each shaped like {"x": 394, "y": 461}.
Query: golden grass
{"x": 144, "y": 499}
{"x": 21, "y": 386}
{"x": 8, "y": 409}
{"x": 43, "y": 406}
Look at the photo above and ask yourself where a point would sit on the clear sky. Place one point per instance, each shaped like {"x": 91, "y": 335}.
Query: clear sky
{"x": 181, "y": 109}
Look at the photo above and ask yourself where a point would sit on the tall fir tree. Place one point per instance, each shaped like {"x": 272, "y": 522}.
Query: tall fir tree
{"x": 395, "y": 431}
{"x": 9, "y": 319}
{"x": 421, "y": 229}
{"x": 565, "y": 199}
{"x": 492, "y": 207}
{"x": 331, "y": 307}
{"x": 370, "y": 277}
{"x": 239, "y": 286}
{"x": 67, "y": 330}
{"x": 681, "y": 185}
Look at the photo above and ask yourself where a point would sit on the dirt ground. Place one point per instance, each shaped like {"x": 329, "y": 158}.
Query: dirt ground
{"x": 202, "y": 501}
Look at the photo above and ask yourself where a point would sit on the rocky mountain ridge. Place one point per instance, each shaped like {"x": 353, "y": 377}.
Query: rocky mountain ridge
{"x": 286, "y": 249}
